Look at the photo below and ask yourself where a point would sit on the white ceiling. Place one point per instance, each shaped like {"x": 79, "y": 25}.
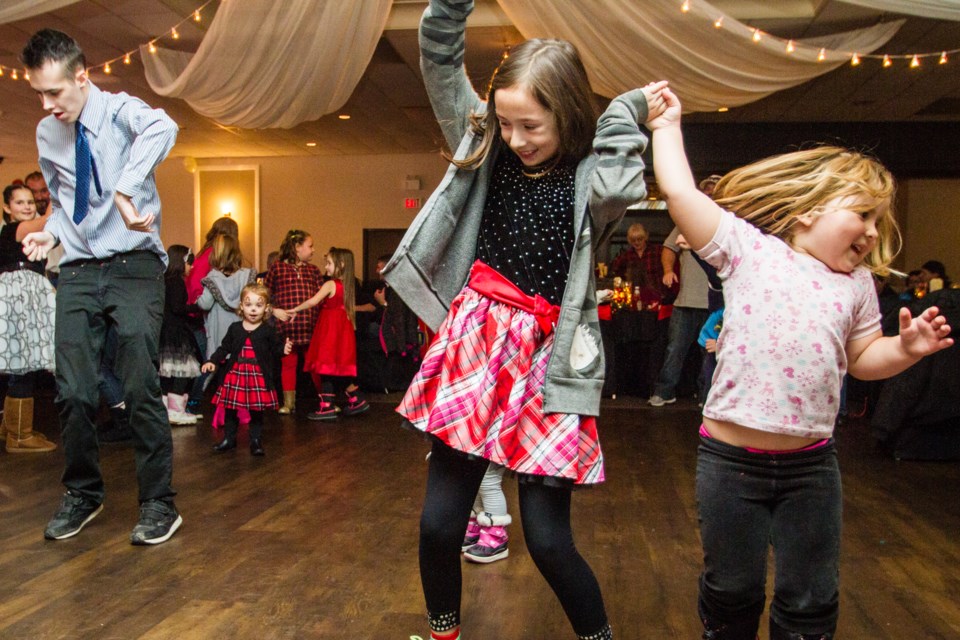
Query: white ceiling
{"x": 389, "y": 109}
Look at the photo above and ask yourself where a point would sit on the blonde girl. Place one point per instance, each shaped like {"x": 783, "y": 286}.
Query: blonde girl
{"x": 27, "y": 310}
{"x": 221, "y": 296}
{"x": 292, "y": 279}
{"x": 331, "y": 358}
{"x": 247, "y": 360}
{"x": 796, "y": 238}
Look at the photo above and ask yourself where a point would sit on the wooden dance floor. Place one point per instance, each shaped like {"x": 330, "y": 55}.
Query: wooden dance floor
{"x": 319, "y": 540}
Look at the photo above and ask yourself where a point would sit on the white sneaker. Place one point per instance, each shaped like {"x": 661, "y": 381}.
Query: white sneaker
{"x": 657, "y": 401}
{"x": 181, "y": 419}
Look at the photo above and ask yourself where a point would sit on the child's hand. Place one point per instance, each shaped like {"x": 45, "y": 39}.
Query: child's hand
{"x": 287, "y": 347}
{"x": 604, "y": 295}
{"x": 208, "y": 367}
{"x": 656, "y": 104}
{"x": 669, "y": 113}
{"x": 710, "y": 345}
{"x": 283, "y": 315}
{"x": 925, "y": 334}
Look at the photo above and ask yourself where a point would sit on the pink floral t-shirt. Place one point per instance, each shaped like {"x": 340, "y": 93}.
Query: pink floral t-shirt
{"x": 788, "y": 317}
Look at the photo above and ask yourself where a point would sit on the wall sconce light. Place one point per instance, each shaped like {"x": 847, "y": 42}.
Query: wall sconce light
{"x": 226, "y": 209}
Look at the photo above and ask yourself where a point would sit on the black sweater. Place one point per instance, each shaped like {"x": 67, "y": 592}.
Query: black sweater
{"x": 267, "y": 347}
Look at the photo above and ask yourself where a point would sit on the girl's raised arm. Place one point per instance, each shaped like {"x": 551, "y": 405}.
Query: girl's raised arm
{"x": 693, "y": 211}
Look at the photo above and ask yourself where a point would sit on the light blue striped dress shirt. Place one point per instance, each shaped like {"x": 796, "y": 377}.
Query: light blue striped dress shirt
{"x": 128, "y": 139}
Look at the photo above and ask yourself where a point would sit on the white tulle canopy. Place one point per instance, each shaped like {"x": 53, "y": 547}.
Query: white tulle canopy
{"x": 266, "y": 64}
{"x": 628, "y": 44}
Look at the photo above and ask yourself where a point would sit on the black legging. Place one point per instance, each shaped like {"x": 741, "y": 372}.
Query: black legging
{"x": 452, "y": 484}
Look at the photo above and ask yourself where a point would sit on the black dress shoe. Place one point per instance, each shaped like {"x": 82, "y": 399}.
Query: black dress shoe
{"x": 256, "y": 447}
{"x": 225, "y": 445}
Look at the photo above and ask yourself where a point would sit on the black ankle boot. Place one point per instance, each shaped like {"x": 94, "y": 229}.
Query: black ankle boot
{"x": 226, "y": 444}
{"x": 256, "y": 447}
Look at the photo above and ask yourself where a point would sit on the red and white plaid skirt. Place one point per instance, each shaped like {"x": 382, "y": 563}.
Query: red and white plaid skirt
{"x": 480, "y": 388}
{"x": 244, "y": 386}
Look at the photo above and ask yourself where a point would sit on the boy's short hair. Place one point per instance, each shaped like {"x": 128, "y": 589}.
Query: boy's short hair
{"x": 50, "y": 45}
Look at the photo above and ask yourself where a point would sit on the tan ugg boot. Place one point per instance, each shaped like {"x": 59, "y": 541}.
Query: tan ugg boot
{"x": 21, "y": 438}
{"x": 289, "y": 403}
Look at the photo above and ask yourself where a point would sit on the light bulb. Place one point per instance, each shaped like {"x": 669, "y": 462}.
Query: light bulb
{"x": 718, "y": 22}
{"x": 152, "y": 48}
{"x": 175, "y": 34}
{"x": 756, "y": 35}
{"x": 887, "y": 61}
{"x": 685, "y": 6}
{"x": 196, "y": 15}
{"x": 855, "y": 60}
{"x": 943, "y": 58}
{"x": 914, "y": 62}
{"x": 126, "y": 59}
{"x": 790, "y": 47}
{"x": 107, "y": 69}
{"x": 822, "y": 55}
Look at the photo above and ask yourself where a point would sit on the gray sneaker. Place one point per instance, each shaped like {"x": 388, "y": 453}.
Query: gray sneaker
{"x": 657, "y": 401}
{"x": 159, "y": 520}
{"x": 74, "y": 513}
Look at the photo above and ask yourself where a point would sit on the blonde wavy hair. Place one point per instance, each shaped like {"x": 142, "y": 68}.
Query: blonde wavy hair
{"x": 775, "y": 192}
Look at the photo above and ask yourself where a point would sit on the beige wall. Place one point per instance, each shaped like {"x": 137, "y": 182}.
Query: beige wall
{"x": 333, "y": 198}
{"x": 932, "y": 225}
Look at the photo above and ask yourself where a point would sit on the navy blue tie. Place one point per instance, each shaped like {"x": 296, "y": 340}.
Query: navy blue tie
{"x": 85, "y": 166}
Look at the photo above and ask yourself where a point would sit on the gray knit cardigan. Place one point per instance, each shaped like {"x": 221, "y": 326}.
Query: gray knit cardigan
{"x": 432, "y": 263}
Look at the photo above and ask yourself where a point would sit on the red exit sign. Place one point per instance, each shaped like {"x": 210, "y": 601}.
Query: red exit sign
{"x": 411, "y": 203}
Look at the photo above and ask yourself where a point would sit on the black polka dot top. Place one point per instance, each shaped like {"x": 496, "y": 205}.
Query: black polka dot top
{"x": 527, "y": 228}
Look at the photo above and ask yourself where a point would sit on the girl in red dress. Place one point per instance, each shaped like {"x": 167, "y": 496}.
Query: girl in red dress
{"x": 292, "y": 280}
{"x": 247, "y": 359}
{"x": 332, "y": 356}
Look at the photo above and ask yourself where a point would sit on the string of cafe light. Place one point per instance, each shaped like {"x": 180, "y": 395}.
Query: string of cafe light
{"x": 821, "y": 54}
{"x": 107, "y": 66}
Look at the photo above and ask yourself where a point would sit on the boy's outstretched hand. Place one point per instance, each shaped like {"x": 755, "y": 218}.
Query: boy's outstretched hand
{"x": 925, "y": 334}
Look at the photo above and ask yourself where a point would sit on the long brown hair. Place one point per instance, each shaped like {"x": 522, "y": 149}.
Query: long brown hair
{"x": 775, "y": 192}
{"x": 222, "y": 226}
{"x": 555, "y": 75}
{"x": 225, "y": 256}
{"x": 343, "y": 270}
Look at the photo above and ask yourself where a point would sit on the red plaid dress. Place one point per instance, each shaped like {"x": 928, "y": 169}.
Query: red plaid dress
{"x": 480, "y": 391}
{"x": 244, "y": 386}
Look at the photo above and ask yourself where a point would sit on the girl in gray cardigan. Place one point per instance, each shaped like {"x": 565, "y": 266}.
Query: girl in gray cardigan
{"x": 500, "y": 264}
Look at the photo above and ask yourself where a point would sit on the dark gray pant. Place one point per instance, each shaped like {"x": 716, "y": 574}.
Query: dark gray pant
{"x": 126, "y": 291}
{"x": 749, "y": 501}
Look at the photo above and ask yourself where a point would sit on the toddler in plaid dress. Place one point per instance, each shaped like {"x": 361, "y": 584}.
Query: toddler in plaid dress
{"x": 247, "y": 361}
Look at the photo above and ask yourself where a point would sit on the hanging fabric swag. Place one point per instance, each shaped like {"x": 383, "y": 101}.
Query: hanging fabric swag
{"x": 272, "y": 64}
{"x": 627, "y": 44}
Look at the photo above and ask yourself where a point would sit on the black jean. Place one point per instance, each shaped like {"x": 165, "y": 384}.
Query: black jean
{"x": 127, "y": 292}
{"x": 749, "y": 501}
{"x": 452, "y": 484}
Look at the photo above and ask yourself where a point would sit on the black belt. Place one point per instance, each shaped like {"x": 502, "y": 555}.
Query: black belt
{"x": 23, "y": 265}
{"x": 102, "y": 261}
{"x": 246, "y": 361}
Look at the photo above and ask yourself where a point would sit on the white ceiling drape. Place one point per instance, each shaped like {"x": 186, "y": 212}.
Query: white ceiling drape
{"x": 268, "y": 64}
{"x": 628, "y": 44}
{"x": 13, "y": 10}
{"x": 938, "y": 9}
